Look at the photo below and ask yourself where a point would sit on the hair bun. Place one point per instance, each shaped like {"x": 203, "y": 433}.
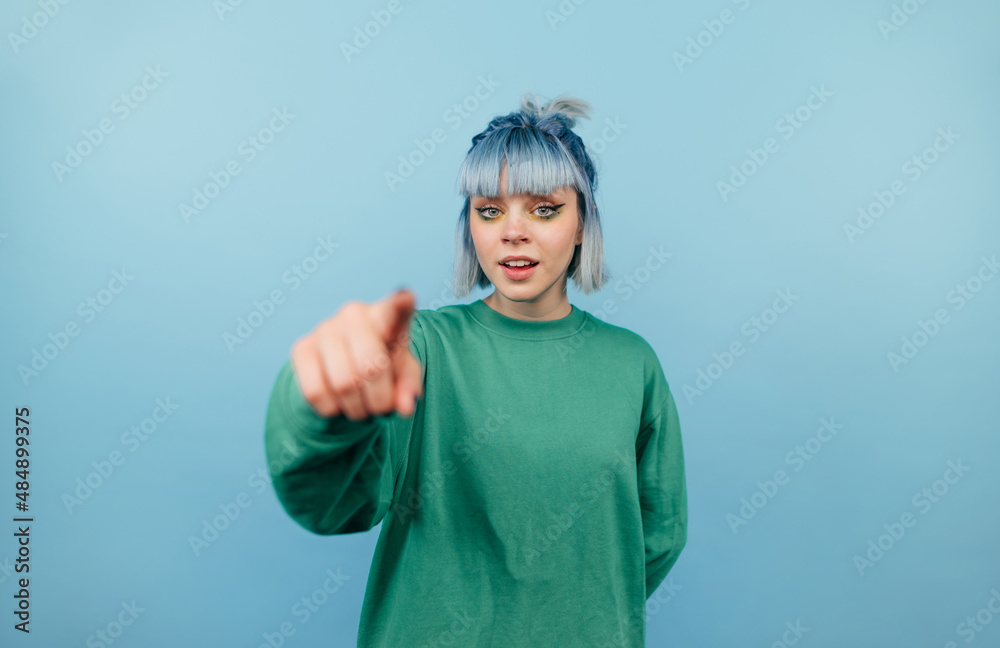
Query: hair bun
{"x": 571, "y": 108}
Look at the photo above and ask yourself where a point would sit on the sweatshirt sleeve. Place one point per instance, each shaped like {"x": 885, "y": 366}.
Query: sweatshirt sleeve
{"x": 335, "y": 475}
{"x": 662, "y": 491}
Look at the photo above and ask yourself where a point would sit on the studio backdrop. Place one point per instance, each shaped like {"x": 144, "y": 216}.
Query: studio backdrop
{"x": 799, "y": 213}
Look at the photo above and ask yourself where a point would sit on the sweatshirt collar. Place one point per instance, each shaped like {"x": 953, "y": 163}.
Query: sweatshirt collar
{"x": 527, "y": 329}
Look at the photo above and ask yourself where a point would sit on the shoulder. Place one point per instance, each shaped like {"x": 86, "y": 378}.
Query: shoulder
{"x": 442, "y": 318}
{"x": 634, "y": 354}
{"x": 635, "y": 351}
{"x": 428, "y": 324}
{"x": 623, "y": 339}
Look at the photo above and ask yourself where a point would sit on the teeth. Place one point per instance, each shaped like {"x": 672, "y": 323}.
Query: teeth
{"x": 517, "y": 264}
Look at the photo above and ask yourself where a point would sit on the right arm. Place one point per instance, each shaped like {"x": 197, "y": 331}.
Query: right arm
{"x": 333, "y": 473}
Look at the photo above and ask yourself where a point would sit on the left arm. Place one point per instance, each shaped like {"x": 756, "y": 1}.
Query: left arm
{"x": 662, "y": 492}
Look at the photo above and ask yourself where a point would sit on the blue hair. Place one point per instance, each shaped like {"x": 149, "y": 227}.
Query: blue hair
{"x": 541, "y": 153}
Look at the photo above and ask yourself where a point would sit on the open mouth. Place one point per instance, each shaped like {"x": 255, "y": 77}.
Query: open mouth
{"x": 516, "y": 273}
{"x": 519, "y": 273}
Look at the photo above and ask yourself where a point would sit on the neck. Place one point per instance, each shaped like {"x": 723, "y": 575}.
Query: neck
{"x": 547, "y": 306}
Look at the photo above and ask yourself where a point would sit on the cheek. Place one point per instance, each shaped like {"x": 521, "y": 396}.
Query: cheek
{"x": 477, "y": 237}
{"x": 483, "y": 248}
{"x": 564, "y": 241}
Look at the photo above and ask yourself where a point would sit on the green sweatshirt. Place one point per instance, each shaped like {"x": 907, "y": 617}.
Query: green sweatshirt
{"x": 536, "y": 497}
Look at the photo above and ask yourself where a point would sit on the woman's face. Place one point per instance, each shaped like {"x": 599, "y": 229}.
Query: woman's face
{"x": 545, "y": 229}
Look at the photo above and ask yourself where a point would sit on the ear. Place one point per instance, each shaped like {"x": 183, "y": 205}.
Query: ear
{"x": 579, "y": 233}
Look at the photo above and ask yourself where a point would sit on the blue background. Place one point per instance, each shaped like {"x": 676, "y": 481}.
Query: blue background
{"x": 680, "y": 126}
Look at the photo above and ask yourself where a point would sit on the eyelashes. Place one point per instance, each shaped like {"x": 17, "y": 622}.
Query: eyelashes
{"x": 552, "y": 209}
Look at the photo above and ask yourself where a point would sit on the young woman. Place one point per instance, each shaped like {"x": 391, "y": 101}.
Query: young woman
{"x": 523, "y": 456}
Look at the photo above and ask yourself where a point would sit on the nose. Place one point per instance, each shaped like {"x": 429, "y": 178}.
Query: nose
{"x": 515, "y": 226}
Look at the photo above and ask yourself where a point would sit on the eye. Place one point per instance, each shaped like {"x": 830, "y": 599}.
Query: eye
{"x": 548, "y": 212}
{"x": 551, "y": 213}
{"x": 487, "y": 209}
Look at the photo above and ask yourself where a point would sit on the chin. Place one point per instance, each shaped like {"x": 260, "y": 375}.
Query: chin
{"x": 519, "y": 293}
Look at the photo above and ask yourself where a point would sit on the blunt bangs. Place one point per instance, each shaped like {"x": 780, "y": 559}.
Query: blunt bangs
{"x": 535, "y": 165}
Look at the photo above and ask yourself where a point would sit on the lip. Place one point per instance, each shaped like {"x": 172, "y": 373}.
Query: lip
{"x": 518, "y": 258}
{"x": 518, "y": 274}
